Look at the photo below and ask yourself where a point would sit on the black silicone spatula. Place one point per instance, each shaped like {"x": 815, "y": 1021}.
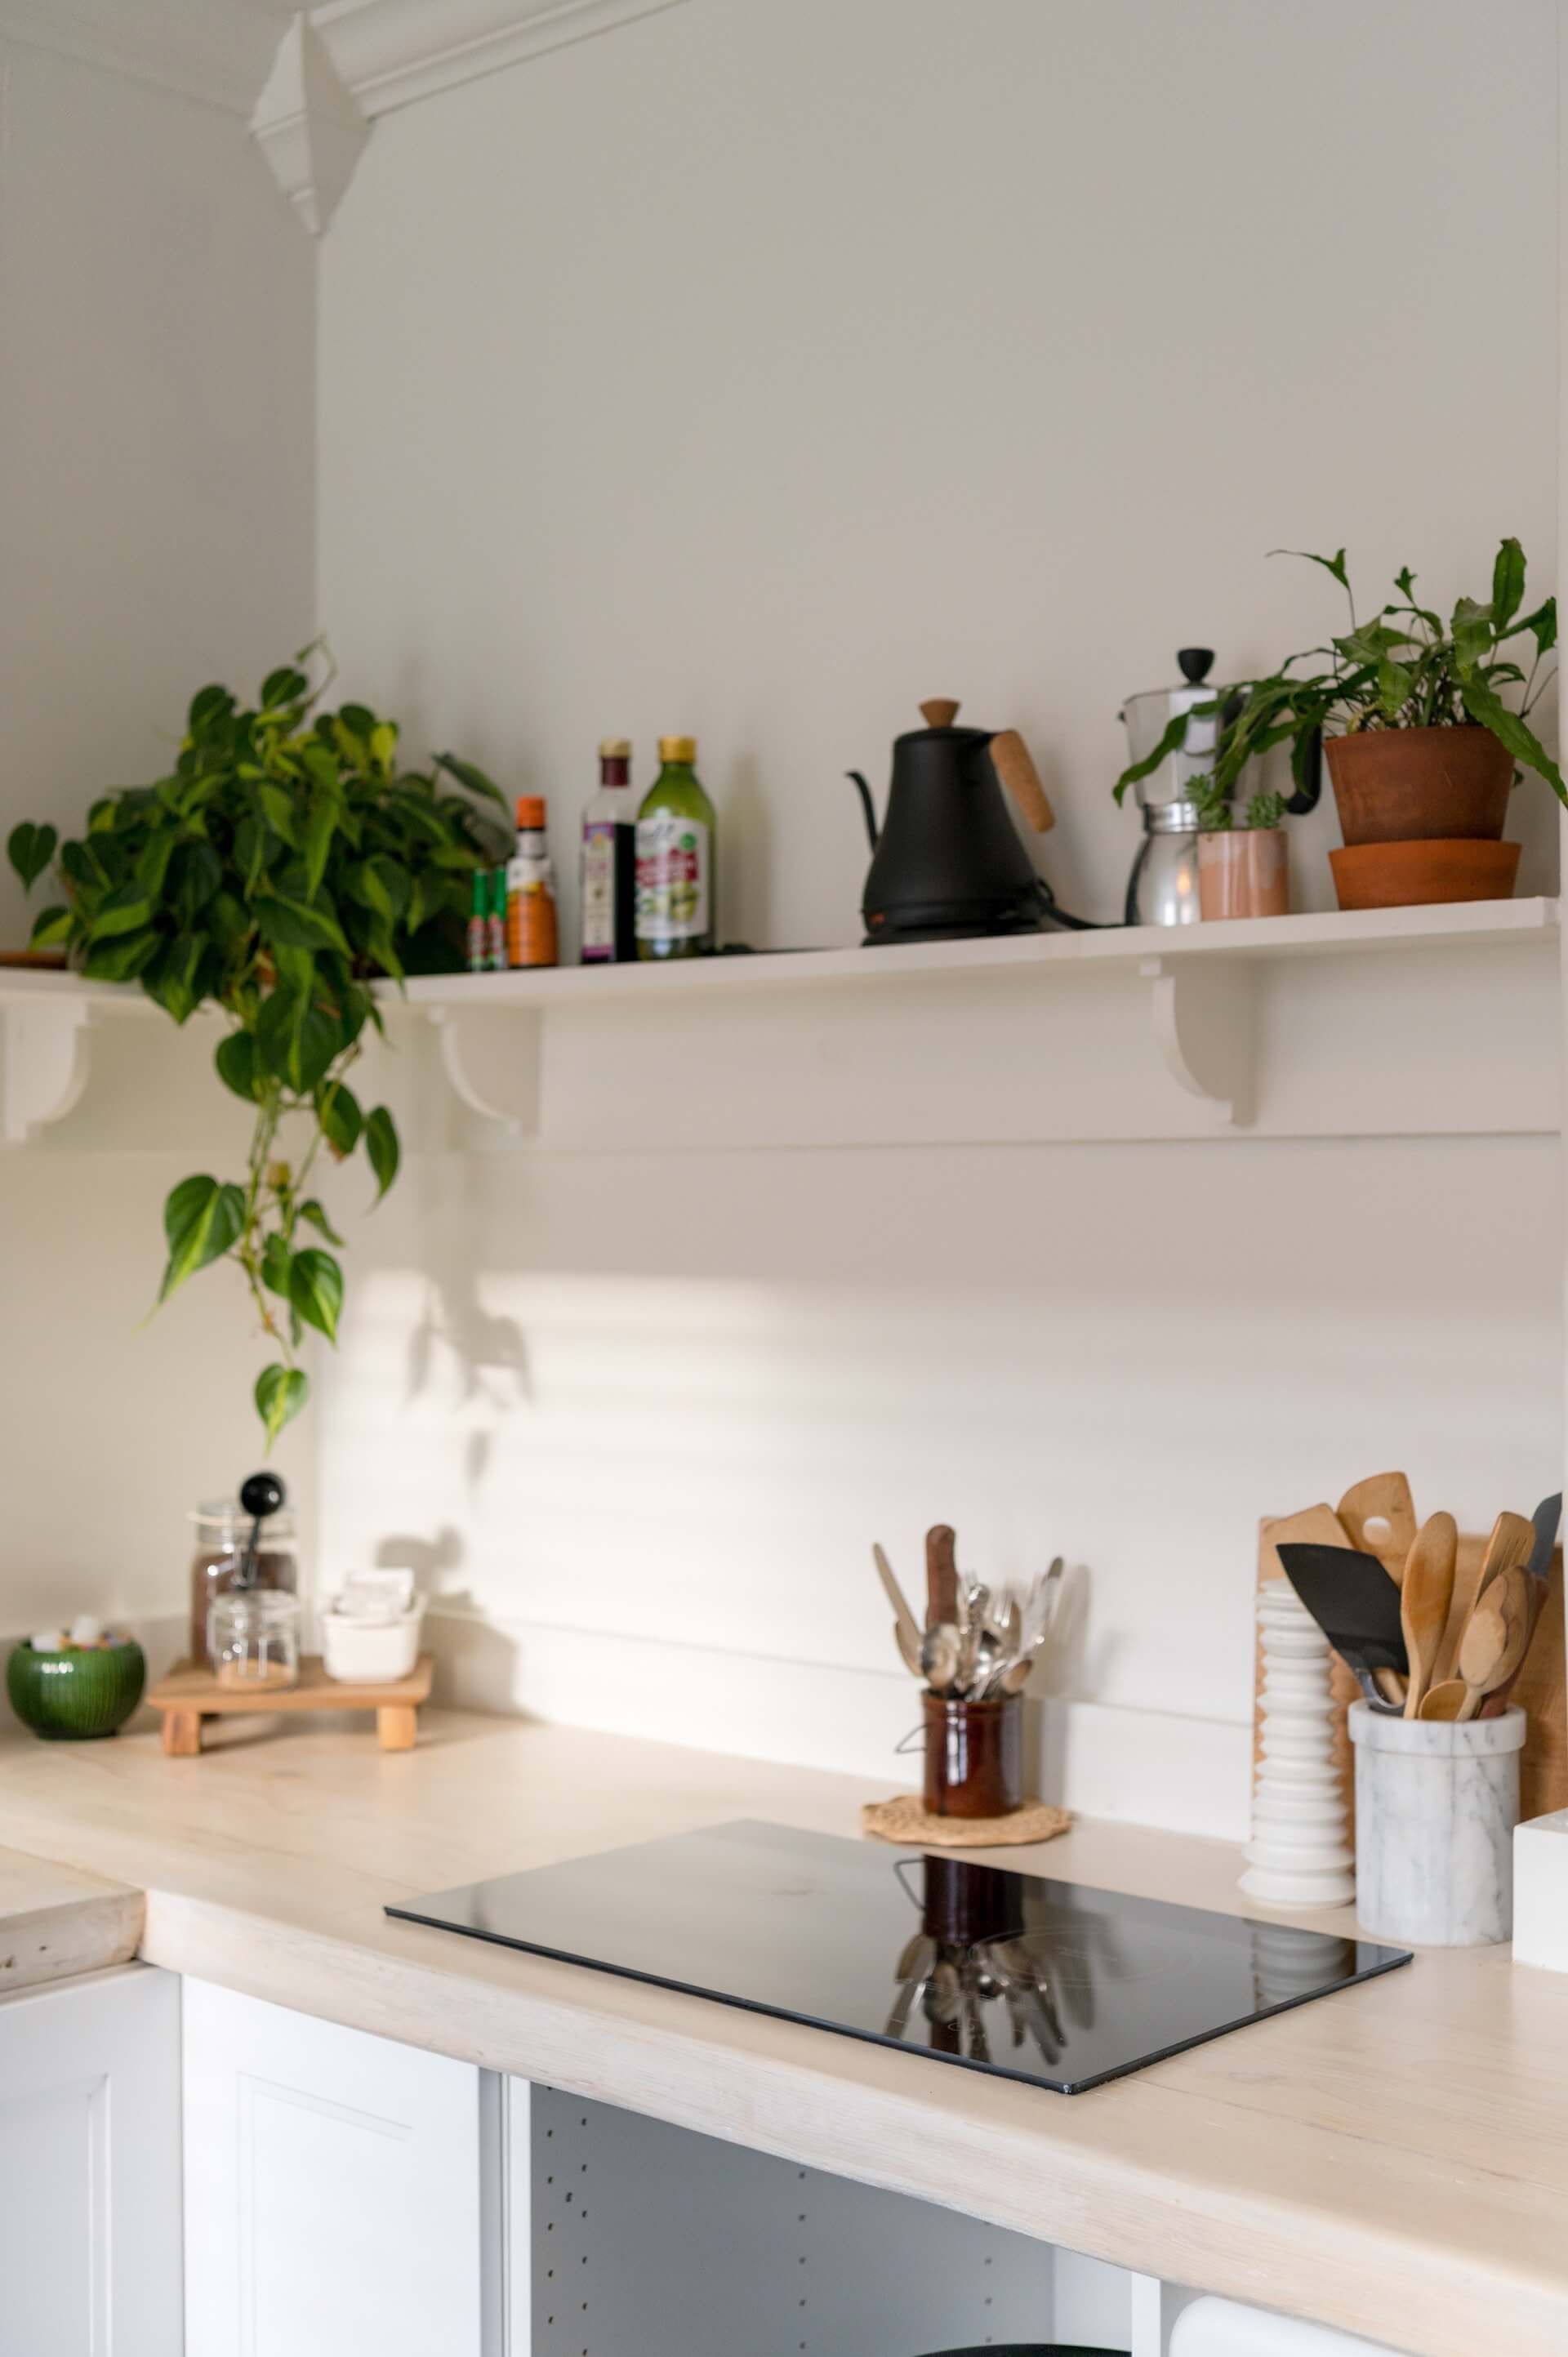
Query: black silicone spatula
{"x": 1547, "y": 1520}
{"x": 1357, "y": 1606}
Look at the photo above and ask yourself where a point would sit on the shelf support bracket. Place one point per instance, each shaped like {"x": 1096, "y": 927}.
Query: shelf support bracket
{"x": 1203, "y": 1017}
{"x": 493, "y": 1061}
{"x": 43, "y": 1064}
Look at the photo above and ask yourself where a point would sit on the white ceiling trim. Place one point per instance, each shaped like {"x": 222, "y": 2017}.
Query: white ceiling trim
{"x": 310, "y": 126}
{"x": 215, "y": 51}
{"x": 390, "y": 53}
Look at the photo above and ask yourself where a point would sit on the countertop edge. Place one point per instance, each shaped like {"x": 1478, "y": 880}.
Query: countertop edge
{"x": 42, "y": 1945}
{"x": 757, "y": 2083}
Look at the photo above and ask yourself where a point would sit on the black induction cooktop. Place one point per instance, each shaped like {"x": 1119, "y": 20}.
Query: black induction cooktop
{"x": 1034, "y": 1979}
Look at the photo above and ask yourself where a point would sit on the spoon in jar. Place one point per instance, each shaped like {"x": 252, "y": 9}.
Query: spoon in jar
{"x": 260, "y": 1494}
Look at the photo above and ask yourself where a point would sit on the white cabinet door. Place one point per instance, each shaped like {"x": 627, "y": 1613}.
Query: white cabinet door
{"x": 90, "y": 2237}
{"x": 332, "y": 2189}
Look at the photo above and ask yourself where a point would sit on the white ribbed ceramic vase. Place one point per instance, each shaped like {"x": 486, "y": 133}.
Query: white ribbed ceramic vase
{"x": 1298, "y": 1854}
{"x": 1436, "y": 1804}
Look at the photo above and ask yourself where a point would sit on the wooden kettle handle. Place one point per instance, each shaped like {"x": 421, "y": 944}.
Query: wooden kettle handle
{"x": 1011, "y": 759}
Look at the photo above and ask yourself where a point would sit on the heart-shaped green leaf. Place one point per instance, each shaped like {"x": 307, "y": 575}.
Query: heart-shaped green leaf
{"x": 315, "y": 1215}
{"x": 281, "y": 1393}
{"x": 202, "y": 1220}
{"x": 299, "y": 924}
{"x": 337, "y": 1111}
{"x": 238, "y": 1067}
{"x": 381, "y": 1145}
{"x": 277, "y": 1265}
{"x": 473, "y": 779}
{"x": 125, "y": 910}
{"x": 316, "y": 1290}
{"x": 29, "y": 849}
{"x": 50, "y": 928}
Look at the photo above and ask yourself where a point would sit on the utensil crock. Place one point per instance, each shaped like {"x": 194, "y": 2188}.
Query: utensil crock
{"x": 974, "y": 1756}
{"x": 1436, "y": 1803}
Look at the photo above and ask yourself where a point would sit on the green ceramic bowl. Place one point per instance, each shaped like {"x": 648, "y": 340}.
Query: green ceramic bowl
{"x": 85, "y": 1691}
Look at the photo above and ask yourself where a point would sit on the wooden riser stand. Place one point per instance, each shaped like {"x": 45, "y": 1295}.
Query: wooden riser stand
{"x": 191, "y": 1693}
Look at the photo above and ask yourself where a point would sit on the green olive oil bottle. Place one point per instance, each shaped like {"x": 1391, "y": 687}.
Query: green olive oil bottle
{"x": 675, "y": 859}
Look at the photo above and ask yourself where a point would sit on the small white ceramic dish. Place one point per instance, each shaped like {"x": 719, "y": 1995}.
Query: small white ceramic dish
{"x": 360, "y": 1652}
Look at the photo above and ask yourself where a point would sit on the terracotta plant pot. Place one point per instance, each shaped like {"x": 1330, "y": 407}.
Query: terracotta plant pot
{"x": 1419, "y": 785}
{"x": 1244, "y": 874}
{"x": 1406, "y": 875}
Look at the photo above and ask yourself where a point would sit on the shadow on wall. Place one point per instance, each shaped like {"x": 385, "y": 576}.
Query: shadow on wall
{"x": 476, "y": 1662}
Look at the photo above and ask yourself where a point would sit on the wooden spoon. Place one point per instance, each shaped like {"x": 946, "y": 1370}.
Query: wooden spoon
{"x": 905, "y": 1628}
{"x": 1380, "y": 1515}
{"x": 1425, "y": 1594}
{"x": 1511, "y": 1542}
{"x": 1494, "y": 1644}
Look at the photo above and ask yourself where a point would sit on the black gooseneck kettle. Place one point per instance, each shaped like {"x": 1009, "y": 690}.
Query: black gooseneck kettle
{"x": 948, "y": 863}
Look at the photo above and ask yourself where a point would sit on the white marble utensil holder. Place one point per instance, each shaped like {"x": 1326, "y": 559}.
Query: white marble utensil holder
{"x": 1436, "y": 1804}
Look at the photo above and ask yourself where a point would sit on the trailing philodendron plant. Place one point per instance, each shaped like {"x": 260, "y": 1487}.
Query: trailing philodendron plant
{"x": 1406, "y": 668}
{"x": 286, "y": 861}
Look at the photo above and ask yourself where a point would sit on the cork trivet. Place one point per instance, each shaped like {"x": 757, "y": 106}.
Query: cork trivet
{"x": 904, "y": 1819}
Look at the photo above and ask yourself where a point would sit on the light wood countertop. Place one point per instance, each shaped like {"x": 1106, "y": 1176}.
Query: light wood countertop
{"x": 56, "y": 1922}
{"x": 1393, "y": 2159}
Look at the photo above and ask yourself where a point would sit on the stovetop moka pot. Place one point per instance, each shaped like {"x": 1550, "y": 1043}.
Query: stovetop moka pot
{"x": 947, "y": 863}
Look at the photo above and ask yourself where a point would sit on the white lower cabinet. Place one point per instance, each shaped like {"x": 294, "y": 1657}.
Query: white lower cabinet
{"x": 1219, "y": 2328}
{"x": 335, "y": 2192}
{"x": 90, "y": 2228}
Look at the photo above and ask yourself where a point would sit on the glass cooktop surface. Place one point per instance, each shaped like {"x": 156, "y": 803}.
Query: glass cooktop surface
{"x": 1049, "y": 1982}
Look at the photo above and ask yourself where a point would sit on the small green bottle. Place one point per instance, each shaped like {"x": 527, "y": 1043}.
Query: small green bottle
{"x": 479, "y": 922}
{"x": 675, "y": 859}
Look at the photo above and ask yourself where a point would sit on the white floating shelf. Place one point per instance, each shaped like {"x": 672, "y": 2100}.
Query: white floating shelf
{"x": 966, "y": 1002}
{"x": 1337, "y": 932}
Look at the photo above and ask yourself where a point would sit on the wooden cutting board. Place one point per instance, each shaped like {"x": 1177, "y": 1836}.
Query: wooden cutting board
{"x": 1541, "y": 1690}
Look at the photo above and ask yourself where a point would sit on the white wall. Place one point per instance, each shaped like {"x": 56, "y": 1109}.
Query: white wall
{"x": 760, "y": 369}
{"x": 158, "y": 485}
{"x": 768, "y": 365}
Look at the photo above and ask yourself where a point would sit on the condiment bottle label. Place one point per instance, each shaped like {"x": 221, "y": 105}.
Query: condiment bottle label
{"x": 674, "y": 867}
{"x": 531, "y": 924}
{"x": 598, "y": 889}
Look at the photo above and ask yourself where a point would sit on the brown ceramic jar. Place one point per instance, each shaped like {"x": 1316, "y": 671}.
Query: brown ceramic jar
{"x": 974, "y": 1756}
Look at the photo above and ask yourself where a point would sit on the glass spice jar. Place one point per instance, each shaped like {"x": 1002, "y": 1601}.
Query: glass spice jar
{"x": 253, "y": 1638}
{"x": 222, "y": 1532}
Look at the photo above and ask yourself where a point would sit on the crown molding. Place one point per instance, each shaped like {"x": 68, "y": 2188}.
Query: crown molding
{"x": 390, "y": 53}
{"x": 216, "y": 54}
{"x": 310, "y": 126}
{"x": 340, "y": 66}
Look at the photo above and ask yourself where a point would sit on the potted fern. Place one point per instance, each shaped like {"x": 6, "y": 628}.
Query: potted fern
{"x": 1425, "y": 724}
{"x": 287, "y": 861}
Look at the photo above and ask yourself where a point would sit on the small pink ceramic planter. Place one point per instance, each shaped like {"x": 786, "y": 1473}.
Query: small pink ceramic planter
{"x": 1244, "y": 872}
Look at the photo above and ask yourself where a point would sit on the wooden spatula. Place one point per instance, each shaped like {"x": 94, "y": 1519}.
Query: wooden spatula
{"x": 1545, "y": 1522}
{"x": 1379, "y": 1515}
{"x": 1496, "y": 1640}
{"x": 1425, "y": 1593}
{"x": 1512, "y": 1542}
